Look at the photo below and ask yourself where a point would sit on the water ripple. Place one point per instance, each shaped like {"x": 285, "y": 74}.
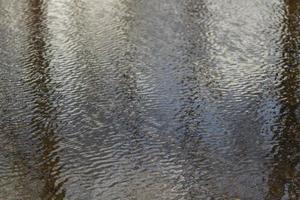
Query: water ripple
{"x": 161, "y": 99}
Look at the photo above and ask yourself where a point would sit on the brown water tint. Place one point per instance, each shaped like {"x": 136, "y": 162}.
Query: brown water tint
{"x": 149, "y": 99}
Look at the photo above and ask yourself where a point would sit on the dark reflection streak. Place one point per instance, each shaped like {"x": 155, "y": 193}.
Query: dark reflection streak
{"x": 196, "y": 75}
{"x": 45, "y": 110}
{"x": 128, "y": 87}
{"x": 284, "y": 178}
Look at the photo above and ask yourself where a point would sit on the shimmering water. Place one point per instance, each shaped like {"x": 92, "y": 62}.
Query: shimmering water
{"x": 149, "y": 99}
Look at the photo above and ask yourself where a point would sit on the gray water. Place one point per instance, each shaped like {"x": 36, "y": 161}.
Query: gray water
{"x": 149, "y": 99}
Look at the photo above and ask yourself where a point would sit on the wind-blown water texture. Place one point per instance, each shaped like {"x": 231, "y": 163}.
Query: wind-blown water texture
{"x": 149, "y": 99}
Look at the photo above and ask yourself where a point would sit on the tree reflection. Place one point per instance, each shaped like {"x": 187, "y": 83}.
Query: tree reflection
{"x": 197, "y": 81}
{"x": 44, "y": 124}
{"x": 284, "y": 177}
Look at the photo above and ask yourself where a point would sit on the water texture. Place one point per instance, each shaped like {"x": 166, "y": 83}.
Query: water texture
{"x": 149, "y": 99}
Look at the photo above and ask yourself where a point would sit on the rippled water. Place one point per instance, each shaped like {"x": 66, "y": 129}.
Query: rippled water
{"x": 149, "y": 99}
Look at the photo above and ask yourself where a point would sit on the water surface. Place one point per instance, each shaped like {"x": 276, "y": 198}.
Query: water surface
{"x": 149, "y": 99}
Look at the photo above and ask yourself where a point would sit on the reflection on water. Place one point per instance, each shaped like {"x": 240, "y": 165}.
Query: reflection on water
{"x": 160, "y": 99}
{"x": 284, "y": 176}
{"x": 45, "y": 128}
